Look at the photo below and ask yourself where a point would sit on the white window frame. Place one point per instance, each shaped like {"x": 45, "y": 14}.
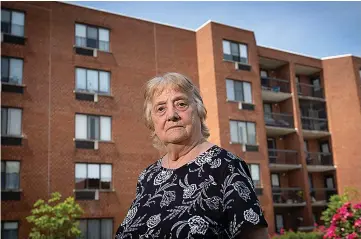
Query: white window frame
{"x": 11, "y": 64}
{"x": 79, "y": 135}
{"x": 257, "y": 167}
{"x": 99, "y": 36}
{"x": 242, "y": 52}
{"x": 14, "y": 24}
{"x": 242, "y": 137}
{"x": 18, "y": 125}
{"x": 102, "y": 168}
{"x": 246, "y": 91}
{"x": 78, "y": 70}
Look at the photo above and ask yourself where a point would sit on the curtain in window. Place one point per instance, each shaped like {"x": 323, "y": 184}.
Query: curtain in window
{"x": 230, "y": 89}
{"x": 80, "y": 76}
{"x": 12, "y": 175}
{"x": 94, "y": 229}
{"x": 106, "y": 228}
{"x": 80, "y": 35}
{"x": 243, "y": 53}
{"x": 242, "y": 132}
{"x": 17, "y": 27}
{"x": 93, "y": 127}
{"x": 4, "y": 69}
{"x": 103, "y": 39}
{"x": 105, "y": 123}
{"x": 14, "y": 122}
{"x": 106, "y": 176}
{"x": 238, "y": 90}
{"x": 80, "y": 126}
{"x": 104, "y": 81}
{"x": 80, "y": 176}
{"x": 16, "y": 71}
{"x": 92, "y": 81}
{"x": 251, "y": 133}
{"x": 247, "y": 90}
{"x": 233, "y": 131}
{"x": 93, "y": 176}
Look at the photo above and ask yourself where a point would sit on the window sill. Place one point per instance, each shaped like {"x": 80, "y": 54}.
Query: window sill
{"x": 243, "y": 105}
{"x": 12, "y": 140}
{"x": 7, "y": 83}
{"x": 242, "y": 63}
{"x": 12, "y": 39}
{"x": 90, "y": 48}
{"x": 93, "y": 190}
{"x": 12, "y": 88}
{"x": 93, "y": 93}
{"x": 91, "y": 140}
{"x": 12, "y": 190}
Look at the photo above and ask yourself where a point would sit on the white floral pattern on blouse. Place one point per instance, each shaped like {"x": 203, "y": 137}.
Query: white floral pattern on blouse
{"x": 210, "y": 197}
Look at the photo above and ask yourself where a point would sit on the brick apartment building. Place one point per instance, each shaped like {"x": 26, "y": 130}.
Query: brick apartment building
{"x": 71, "y": 112}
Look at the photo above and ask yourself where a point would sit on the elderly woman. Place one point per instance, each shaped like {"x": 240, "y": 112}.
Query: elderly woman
{"x": 197, "y": 189}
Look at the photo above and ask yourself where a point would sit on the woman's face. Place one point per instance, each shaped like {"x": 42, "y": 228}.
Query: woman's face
{"x": 175, "y": 117}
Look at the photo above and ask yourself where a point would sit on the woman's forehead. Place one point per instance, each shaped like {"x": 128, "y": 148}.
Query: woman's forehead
{"x": 169, "y": 91}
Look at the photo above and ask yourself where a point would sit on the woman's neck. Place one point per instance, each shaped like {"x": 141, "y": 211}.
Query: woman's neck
{"x": 176, "y": 152}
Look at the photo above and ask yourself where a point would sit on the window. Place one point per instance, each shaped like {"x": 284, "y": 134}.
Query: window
{"x": 92, "y": 80}
{"x": 255, "y": 174}
{"x": 243, "y": 132}
{"x": 11, "y": 70}
{"x": 93, "y": 176}
{"x": 264, "y": 73}
{"x": 359, "y": 73}
{"x": 10, "y": 175}
{"x": 239, "y": 91}
{"x": 12, "y": 22}
{"x": 279, "y": 222}
{"x": 275, "y": 180}
{"x": 96, "y": 228}
{"x": 93, "y": 37}
{"x": 91, "y": 127}
{"x": 9, "y": 230}
{"x": 235, "y": 51}
{"x": 11, "y": 121}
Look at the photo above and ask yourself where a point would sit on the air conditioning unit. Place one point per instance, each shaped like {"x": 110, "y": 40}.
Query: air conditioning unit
{"x": 96, "y": 144}
{"x": 96, "y": 196}
{"x": 95, "y": 97}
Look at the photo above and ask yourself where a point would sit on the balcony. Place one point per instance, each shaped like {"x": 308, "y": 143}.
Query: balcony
{"x": 319, "y": 162}
{"x": 283, "y": 160}
{"x": 308, "y": 91}
{"x": 314, "y": 128}
{"x": 321, "y": 196}
{"x": 278, "y": 124}
{"x": 275, "y": 90}
{"x": 288, "y": 197}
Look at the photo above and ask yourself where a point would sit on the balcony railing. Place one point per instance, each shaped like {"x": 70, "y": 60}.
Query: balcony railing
{"x": 279, "y": 120}
{"x": 319, "y": 158}
{"x": 276, "y": 85}
{"x": 310, "y": 90}
{"x": 321, "y": 194}
{"x": 277, "y": 156}
{"x": 309, "y": 123}
{"x": 92, "y": 43}
{"x": 287, "y": 195}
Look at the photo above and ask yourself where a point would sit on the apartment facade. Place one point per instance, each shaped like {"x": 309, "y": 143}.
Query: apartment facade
{"x": 72, "y": 113}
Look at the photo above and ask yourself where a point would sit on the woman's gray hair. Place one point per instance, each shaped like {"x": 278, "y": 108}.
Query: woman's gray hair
{"x": 177, "y": 81}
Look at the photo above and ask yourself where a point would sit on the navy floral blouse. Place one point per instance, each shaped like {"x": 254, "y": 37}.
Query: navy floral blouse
{"x": 211, "y": 196}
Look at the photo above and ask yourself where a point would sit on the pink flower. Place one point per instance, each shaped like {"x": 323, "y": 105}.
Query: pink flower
{"x": 357, "y": 206}
{"x": 357, "y": 223}
{"x": 282, "y": 231}
{"x": 351, "y": 236}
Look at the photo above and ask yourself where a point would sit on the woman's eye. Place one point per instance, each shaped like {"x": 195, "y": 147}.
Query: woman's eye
{"x": 160, "y": 109}
{"x": 182, "y": 104}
